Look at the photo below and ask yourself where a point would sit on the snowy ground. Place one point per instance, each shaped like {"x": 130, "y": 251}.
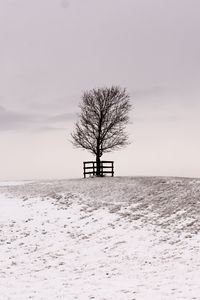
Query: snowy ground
{"x": 104, "y": 239}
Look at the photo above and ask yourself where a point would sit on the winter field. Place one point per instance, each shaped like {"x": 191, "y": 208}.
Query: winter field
{"x": 100, "y": 238}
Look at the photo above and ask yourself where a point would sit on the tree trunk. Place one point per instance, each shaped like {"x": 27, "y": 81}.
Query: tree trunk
{"x": 98, "y": 162}
{"x": 98, "y": 155}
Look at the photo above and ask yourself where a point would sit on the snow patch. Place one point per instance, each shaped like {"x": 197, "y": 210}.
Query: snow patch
{"x": 60, "y": 240}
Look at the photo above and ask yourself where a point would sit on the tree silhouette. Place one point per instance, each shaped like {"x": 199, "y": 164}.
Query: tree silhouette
{"x": 102, "y": 121}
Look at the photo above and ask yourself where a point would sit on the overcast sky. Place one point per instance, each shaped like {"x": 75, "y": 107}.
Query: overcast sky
{"x": 53, "y": 50}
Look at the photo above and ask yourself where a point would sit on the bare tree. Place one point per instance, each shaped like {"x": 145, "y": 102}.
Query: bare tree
{"x": 102, "y": 121}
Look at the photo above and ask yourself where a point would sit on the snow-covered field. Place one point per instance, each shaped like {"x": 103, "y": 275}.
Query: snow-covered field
{"x": 100, "y": 238}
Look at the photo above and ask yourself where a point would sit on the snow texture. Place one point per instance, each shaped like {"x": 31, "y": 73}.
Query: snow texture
{"x": 100, "y": 238}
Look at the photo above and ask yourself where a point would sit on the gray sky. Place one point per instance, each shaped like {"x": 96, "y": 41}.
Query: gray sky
{"x": 53, "y": 50}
